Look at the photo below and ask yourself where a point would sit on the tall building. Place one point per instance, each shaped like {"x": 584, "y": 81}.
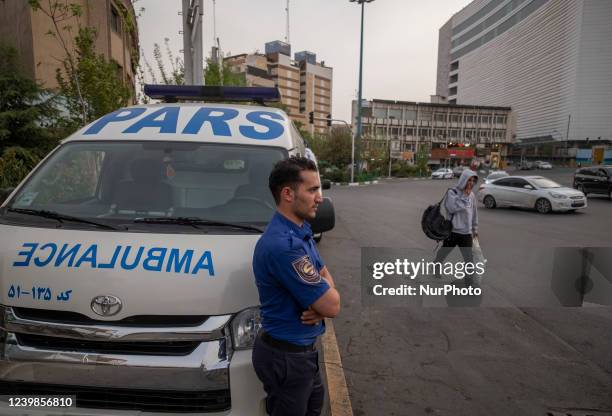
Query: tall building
{"x": 305, "y": 84}
{"x": 27, "y": 31}
{"x": 451, "y": 134}
{"x": 549, "y": 60}
{"x": 254, "y": 68}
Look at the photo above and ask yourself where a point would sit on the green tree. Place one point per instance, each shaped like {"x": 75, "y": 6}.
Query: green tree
{"x": 88, "y": 82}
{"x": 28, "y": 120}
{"x": 333, "y": 149}
{"x": 421, "y": 157}
{"x": 216, "y": 74}
{"x": 27, "y": 112}
{"x": 94, "y": 80}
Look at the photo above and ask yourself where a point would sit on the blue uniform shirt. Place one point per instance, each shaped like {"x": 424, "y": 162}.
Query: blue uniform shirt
{"x": 286, "y": 264}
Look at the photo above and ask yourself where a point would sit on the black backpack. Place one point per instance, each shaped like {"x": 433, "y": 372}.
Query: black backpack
{"x": 435, "y": 225}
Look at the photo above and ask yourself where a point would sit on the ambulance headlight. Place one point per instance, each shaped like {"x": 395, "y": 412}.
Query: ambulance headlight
{"x": 245, "y": 326}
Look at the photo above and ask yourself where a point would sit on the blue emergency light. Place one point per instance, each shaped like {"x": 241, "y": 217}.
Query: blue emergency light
{"x": 174, "y": 93}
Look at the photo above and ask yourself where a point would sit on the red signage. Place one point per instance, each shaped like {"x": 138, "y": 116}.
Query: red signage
{"x": 461, "y": 153}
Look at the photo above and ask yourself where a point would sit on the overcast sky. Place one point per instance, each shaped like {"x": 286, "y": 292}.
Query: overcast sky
{"x": 400, "y": 41}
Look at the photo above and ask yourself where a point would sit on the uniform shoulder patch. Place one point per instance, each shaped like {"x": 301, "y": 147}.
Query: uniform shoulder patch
{"x": 306, "y": 270}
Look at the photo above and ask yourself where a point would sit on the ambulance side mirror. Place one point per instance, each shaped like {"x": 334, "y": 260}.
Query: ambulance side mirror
{"x": 325, "y": 219}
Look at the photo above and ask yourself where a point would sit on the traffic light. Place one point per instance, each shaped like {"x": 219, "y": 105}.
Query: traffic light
{"x": 329, "y": 120}
{"x": 311, "y": 117}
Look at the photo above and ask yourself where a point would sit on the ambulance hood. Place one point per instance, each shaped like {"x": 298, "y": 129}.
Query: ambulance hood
{"x": 151, "y": 274}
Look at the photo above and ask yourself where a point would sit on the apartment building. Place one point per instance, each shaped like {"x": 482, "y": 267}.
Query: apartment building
{"x": 254, "y": 68}
{"x": 549, "y": 60}
{"x": 450, "y": 134}
{"x": 27, "y": 31}
{"x": 305, "y": 85}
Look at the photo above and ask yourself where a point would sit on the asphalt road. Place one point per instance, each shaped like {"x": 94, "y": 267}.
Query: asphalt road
{"x": 466, "y": 361}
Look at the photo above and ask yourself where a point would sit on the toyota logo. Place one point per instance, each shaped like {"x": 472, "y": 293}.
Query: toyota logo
{"x": 106, "y": 305}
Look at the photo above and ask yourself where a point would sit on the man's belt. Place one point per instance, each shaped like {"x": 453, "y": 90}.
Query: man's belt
{"x": 284, "y": 345}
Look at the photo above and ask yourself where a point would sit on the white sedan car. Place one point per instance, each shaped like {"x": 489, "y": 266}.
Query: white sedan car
{"x": 442, "y": 173}
{"x": 531, "y": 192}
{"x": 543, "y": 165}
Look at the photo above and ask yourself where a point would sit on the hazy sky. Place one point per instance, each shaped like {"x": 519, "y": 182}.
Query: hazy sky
{"x": 400, "y": 40}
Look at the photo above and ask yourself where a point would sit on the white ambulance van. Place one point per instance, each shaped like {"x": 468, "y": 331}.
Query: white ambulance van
{"x": 125, "y": 258}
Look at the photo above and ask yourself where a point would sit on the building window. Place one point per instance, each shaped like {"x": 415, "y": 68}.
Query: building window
{"x": 115, "y": 20}
{"x": 455, "y": 118}
{"x": 452, "y": 91}
{"x": 453, "y": 79}
{"x": 395, "y": 113}
{"x": 469, "y": 118}
{"x": 440, "y": 117}
{"x": 410, "y": 115}
{"x": 485, "y": 119}
{"x": 425, "y": 116}
{"x": 500, "y": 119}
{"x": 379, "y": 112}
{"x": 454, "y": 66}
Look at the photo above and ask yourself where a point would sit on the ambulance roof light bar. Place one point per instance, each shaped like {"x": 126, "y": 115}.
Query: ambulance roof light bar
{"x": 174, "y": 93}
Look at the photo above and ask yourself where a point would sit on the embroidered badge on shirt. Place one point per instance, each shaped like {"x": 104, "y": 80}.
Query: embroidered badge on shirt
{"x": 306, "y": 270}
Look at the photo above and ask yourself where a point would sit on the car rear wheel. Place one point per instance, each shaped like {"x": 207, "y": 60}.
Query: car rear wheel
{"x": 489, "y": 202}
{"x": 543, "y": 206}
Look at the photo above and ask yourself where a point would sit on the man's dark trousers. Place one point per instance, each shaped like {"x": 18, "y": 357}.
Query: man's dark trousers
{"x": 291, "y": 380}
{"x": 465, "y": 243}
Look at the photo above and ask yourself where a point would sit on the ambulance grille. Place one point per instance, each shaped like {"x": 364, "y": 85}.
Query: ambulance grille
{"x": 165, "y": 348}
{"x": 74, "y": 318}
{"x": 163, "y": 401}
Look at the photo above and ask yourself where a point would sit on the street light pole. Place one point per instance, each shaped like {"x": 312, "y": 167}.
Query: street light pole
{"x": 359, "y": 124}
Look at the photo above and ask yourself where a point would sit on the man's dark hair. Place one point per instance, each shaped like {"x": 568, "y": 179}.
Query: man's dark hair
{"x": 287, "y": 173}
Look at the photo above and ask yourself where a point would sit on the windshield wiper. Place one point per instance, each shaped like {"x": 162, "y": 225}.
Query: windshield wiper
{"x": 195, "y": 222}
{"x": 59, "y": 217}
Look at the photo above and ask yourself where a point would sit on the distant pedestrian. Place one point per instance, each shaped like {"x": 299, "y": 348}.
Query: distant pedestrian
{"x": 296, "y": 292}
{"x": 460, "y": 203}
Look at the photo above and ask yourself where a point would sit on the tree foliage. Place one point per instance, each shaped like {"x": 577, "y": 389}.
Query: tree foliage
{"x": 333, "y": 149}
{"x": 27, "y": 112}
{"x": 92, "y": 86}
{"x": 89, "y": 84}
{"x": 222, "y": 74}
{"x": 28, "y": 120}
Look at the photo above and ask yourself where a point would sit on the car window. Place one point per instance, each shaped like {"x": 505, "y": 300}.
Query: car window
{"x": 519, "y": 183}
{"x": 503, "y": 182}
{"x": 122, "y": 181}
{"x": 544, "y": 183}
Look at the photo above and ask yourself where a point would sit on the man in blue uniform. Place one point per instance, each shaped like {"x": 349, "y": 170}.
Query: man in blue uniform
{"x": 296, "y": 292}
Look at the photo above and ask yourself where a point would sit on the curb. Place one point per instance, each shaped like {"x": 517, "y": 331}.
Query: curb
{"x": 339, "y": 400}
{"x": 355, "y": 183}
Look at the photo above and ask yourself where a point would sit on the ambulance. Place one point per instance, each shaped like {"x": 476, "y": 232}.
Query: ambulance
{"x": 126, "y": 282}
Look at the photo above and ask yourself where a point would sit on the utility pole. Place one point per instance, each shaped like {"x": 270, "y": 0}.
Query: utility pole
{"x": 359, "y": 103}
{"x": 192, "y": 42}
{"x": 287, "y": 36}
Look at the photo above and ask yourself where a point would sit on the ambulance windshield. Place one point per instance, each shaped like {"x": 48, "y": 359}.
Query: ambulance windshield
{"x": 117, "y": 182}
